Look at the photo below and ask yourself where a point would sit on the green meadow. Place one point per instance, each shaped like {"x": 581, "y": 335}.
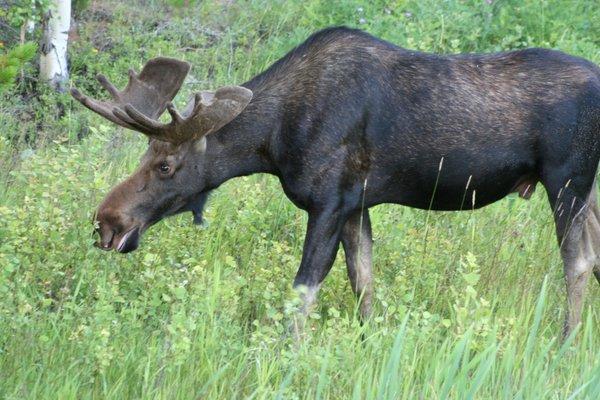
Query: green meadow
{"x": 468, "y": 305}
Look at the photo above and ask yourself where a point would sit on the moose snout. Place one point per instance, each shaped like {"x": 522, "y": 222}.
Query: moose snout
{"x": 107, "y": 225}
{"x": 116, "y": 230}
{"x": 106, "y": 234}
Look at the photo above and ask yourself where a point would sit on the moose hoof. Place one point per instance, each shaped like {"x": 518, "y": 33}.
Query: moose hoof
{"x": 200, "y": 222}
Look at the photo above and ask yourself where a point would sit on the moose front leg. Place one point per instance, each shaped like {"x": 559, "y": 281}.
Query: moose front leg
{"x": 358, "y": 247}
{"x": 196, "y": 206}
{"x": 320, "y": 248}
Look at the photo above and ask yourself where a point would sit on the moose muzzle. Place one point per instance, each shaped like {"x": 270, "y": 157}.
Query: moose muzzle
{"x": 123, "y": 242}
{"x": 118, "y": 227}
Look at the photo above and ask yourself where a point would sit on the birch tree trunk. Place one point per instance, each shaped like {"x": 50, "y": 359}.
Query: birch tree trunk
{"x": 53, "y": 60}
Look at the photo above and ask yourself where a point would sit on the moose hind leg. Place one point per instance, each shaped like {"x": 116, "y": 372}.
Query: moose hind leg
{"x": 593, "y": 229}
{"x": 358, "y": 247}
{"x": 573, "y": 208}
{"x": 577, "y": 266}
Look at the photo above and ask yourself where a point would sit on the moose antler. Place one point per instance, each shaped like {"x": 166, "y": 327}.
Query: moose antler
{"x": 205, "y": 113}
{"x": 147, "y": 95}
{"x": 149, "y": 92}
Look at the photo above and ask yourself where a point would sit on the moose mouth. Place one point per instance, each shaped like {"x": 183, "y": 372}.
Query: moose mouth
{"x": 123, "y": 243}
{"x": 129, "y": 241}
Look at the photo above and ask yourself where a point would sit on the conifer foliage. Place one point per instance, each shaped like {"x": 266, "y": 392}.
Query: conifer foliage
{"x": 12, "y": 61}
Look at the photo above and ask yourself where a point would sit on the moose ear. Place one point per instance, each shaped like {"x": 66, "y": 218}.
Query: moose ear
{"x": 222, "y": 106}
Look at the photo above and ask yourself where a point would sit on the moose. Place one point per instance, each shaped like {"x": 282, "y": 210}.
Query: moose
{"x": 347, "y": 121}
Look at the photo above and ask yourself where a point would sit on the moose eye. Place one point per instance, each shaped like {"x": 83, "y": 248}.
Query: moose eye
{"x": 164, "y": 168}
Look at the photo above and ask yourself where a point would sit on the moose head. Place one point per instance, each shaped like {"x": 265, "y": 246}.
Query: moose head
{"x": 170, "y": 177}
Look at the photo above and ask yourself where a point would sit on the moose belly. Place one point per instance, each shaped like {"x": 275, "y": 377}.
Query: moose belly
{"x": 460, "y": 185}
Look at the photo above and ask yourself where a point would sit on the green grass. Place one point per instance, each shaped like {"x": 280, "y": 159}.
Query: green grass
{"x": 468, "y": 305}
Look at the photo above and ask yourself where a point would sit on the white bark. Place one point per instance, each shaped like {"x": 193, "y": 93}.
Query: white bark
{"x": 30, "y": 26}
{"x": 53, "y": 60}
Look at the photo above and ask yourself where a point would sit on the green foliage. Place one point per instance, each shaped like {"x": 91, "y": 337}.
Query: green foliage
{"x": 15, "y": 15}
{"x": 182, "y": 3}
{"x": 472, "y": 309}
{"x": 12, "y": 61}
{"x": 80, "y": 5}
{"x": 22, "y": 11}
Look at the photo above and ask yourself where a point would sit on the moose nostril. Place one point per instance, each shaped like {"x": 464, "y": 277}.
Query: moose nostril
{"x": 106, "y": 237}
{"x": 106, "y": 233}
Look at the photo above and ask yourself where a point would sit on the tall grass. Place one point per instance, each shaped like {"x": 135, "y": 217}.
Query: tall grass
{"x": 467, "y": 305}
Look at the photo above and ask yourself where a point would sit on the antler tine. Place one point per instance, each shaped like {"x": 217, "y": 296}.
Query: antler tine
{"x": 174, "y": 113}
{"x": 142, "y": 120}
{"x": 153, "y": 128}
{"x": 108, "y": 86}
{"x": 99, "y": 107}
{"x": 121, "y": 115}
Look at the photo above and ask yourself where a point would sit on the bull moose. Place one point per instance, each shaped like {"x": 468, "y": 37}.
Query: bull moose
{"x": 347, "y": 121}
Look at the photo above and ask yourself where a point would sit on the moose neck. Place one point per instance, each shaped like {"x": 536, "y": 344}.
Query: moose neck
{"x": 241, "y": 147}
